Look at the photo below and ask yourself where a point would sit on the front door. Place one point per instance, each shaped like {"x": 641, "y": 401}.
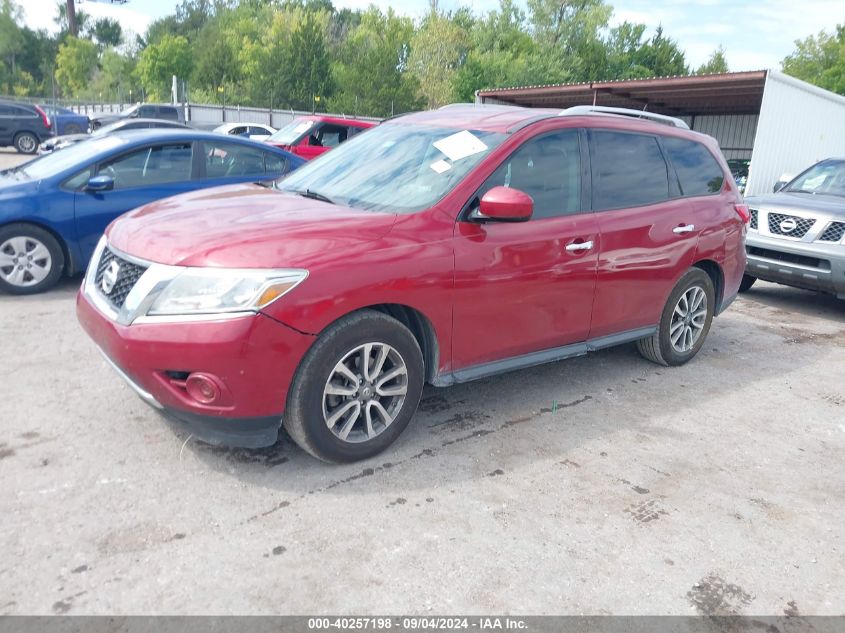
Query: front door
{"x": 141, "y": 175}
{"x": 525, "y": 287}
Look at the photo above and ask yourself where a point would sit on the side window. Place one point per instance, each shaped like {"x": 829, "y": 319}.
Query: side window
{"x": 5, "y": 110}
{"x": 150, "y": 166}
{"x": 147, "y": 111}
{"x": 628, "y": 170}
{"x": 78, "y": 180}
{"x": 23, "y": 112}
{"x": 331, "y": 135}
{"x": 235, "y": 131}
{"x": 698, "y": 171}
{"x": 547, "y": 168}
{"x": 167, "y": 112}
{"x": 274, "y": 164}
{"x": 223, "y": 159}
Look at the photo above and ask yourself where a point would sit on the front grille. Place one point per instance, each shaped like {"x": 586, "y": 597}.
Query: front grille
{"x": 789, "y": 258}
{"x": 753, "y": 222}
{"x": 127, "y": 276}
{"x": 802, "y": 225}
{"x": 834, "y": 232}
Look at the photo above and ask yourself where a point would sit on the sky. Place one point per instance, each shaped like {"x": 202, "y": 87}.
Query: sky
{"x": 756, "y": 35}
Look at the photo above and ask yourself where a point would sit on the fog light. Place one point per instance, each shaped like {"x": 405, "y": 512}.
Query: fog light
{"x": 202, "y": 388}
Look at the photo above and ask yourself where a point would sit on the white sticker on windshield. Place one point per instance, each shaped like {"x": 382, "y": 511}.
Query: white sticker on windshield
{"x": 460, "y": 145}
{"x": 440, "y": 166}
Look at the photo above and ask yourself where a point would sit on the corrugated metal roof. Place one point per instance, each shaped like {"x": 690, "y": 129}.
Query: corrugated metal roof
{"x": 723, "y": 93}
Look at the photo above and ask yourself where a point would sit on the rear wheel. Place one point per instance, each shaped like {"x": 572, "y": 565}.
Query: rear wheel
{"x": 747, "y": 282}
{"x": 684, "y": 323}
{"x": 356, "y": 389}
{"x": 26, "y": 143}
{"x": 31, "y": 260}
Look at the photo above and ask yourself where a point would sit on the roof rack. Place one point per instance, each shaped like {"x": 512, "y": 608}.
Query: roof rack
{"x": 640, "y": 114}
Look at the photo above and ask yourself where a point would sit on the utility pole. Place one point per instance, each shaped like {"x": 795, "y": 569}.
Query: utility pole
{"x": 71, "y": 19}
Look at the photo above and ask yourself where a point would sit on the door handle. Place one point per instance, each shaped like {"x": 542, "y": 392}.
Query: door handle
{"x": 579, "y": 246}
{"x": 680, "y": 230}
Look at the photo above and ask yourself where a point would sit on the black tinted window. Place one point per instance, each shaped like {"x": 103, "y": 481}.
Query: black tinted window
{"x": 548, "y": 169}
{"x": 628, "y": 171}
{"x": 168, "y": 113}
{"x": 698, "y": 171}
{"x": 150, "y": 166}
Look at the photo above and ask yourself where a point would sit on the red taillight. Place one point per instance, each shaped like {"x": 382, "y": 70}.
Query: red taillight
{"x": 743, "y": 212}
{"x": 44, "y": 116}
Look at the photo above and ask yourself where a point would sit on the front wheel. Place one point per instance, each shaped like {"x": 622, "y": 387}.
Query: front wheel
{"x": 26, "y": 143}
{"x": 684, "y": 323}
{"x": 356, "y": 389}
{"x": 31, "y": 260}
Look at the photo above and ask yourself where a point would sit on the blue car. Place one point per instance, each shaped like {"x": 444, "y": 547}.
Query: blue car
{"x": 66, "y": 121}
{"x": 54, "y": 209}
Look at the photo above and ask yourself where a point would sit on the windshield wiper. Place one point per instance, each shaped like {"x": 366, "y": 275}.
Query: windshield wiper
{"x": 314, "y": 195}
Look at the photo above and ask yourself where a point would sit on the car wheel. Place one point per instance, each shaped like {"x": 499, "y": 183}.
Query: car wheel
{"x": 684, "y": 323}
{"x": 26, "y": 143}
{"x": 356, "y": 389}
{"x": 31, "y": 260}
{"x": 747, "y": 282}
{"x": 72, "y": 128}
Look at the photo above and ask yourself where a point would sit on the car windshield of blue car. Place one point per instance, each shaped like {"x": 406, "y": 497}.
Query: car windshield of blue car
{"x": 393, "y": 167}
{"x": 78, "y": 155}
{"x": 826, "y": 178}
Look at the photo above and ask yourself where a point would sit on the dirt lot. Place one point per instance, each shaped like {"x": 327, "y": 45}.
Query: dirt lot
{"x": 602, "y": 484}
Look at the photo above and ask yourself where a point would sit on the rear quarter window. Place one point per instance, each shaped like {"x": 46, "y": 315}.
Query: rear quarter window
{"x": 698, "y": 171}
{"x": 628, "y": 170}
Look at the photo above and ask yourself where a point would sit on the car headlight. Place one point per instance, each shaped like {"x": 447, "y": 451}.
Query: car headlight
{"x": 221, "y": 290}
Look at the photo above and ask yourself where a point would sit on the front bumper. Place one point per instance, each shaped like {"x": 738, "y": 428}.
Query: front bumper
{"x": 253, "y": 357}
{"x": 810, "y": 265}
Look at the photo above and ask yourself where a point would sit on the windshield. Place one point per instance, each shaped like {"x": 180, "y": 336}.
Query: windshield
{"x": 130, "y": 110}
{"x": 394, "y": 167}
{"x": 76, "y": 155}
{"x": 292, "y": 132}
{"x": 827, "y": 177}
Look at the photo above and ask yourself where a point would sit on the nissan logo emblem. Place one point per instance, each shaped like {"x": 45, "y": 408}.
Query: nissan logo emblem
{"x": 788, "y": 225}
{"x": 110, "y": 277}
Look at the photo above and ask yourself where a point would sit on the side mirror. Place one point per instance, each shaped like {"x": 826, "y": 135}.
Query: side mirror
{"x": 100, "y": 183}
{"x": 782, "y": 182}
{"x": 504, "y": 204}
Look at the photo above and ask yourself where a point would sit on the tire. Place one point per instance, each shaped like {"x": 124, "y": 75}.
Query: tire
{"x": 72, "y": 128}
{"x": 660, "y": 348}
{"x": 26, "y": 142}
{"x": 746, "y": 283}
{"x": 40, "y": 267}
{"x": 310, "y": 407}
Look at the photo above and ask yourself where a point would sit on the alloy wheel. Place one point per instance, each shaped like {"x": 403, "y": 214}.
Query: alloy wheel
{"x": 688, "y": 319}
{"x": 365, "y": 392}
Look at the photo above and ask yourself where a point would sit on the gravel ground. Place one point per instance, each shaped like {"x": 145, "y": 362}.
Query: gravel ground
{"x": 602, "y": 484}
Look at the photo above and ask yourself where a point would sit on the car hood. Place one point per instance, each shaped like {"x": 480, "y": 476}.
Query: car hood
{"x": 246, "y": 226}
{"x": 830, "y": 205}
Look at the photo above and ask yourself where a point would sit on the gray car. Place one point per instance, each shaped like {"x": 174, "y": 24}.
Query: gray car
{"x": 797, "y": 234}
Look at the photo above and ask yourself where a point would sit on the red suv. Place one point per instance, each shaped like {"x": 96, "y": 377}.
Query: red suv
{"x": 439, "y": 247}
{"x": 310, "y": 136}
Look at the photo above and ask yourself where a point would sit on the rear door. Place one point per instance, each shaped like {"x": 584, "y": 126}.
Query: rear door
{"x": 140, "y": 175}
{"x": 648, "y": 232}
{"x": 224, "y": 162}
{"x": 528, "y": 286}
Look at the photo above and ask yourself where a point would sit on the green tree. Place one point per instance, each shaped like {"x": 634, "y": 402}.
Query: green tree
{"x": 75, "y": 62}
{"x": 371, "y": 73}
{"x": 107, "y": 32}
{"x": 11, "y": 35}
{"x": 216, "y": 59}
{"x": 819, "y": 60}
{"x": 309, "y": 76}
{"x": 113, "y": 78}
{"x": 159, "y": 62}
{"x": 661, "y": 56}
{"x": 438, "y": 49}
{"x": 716, "y": 63}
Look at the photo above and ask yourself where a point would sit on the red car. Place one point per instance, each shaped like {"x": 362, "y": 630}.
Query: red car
{"x": 470, "y": 241}
{"x": 310, "y": 136}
